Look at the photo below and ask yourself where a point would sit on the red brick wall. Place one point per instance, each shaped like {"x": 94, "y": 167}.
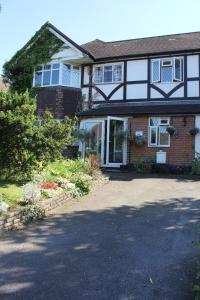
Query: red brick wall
{"x": 181, "y": 150}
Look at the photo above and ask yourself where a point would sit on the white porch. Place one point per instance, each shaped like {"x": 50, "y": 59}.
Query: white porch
{"x": 105, "y": 140}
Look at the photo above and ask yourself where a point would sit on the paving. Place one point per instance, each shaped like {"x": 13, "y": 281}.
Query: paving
{"x": 132, "y": 238}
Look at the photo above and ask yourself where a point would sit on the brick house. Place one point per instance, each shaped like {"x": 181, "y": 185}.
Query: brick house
{"x": 132, "y": 93}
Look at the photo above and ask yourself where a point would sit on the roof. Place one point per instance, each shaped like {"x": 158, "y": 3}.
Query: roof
{"x": 144, "y": 108}
{"x": 69, "y": 40}
{"x": 145, "y": 46}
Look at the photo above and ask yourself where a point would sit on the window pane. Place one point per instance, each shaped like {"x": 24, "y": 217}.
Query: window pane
{"x": 167, "y": 74}
{"x": 55, "y": 66}
{"x": 163, "y": 136}
{"x": 166, "y": 62}
{"x": 46, "y": 77}
{"x": 75, "y": 77}
{"x": 153, "y": 134}
{"x": 178, "y": 75}
{"x": 55, "y": 77}
{"x": 98, "y": 74}
{"x": 66, "y": 75}
{"x": 108, "y": 74}
{"x": 117, "y": 73}
{"x": 47, "y": 67}
{"x": 116, "y": 143}
{"x": 156, "y": 71}
{"x": 93, "y": 141}
{"x": 38, "y": 78}
{"x": 164, "y": 121}
{"x": 154, "y": 121}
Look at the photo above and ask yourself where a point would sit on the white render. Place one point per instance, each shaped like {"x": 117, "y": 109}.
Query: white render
{"x": 155, "y": 94}
{"x": 137, "y": 70}
{"x": 136, "y": 91}
{"x": 193, "y": 88}
{"x": 192, "y": 66}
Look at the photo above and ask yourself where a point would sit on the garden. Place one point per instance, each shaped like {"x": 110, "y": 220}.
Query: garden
{"x": 32, "y": 167}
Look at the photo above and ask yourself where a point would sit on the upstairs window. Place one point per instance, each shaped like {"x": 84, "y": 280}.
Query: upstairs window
{"x": 108, "y": 73}
{"x": 57, "y": 74}
{"x": 158, "y": 135}
{"x": 47, "y": 75}
{"x": 167, "y": 70}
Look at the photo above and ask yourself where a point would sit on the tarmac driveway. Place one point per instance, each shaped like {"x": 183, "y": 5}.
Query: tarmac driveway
{"x": 133, "y": 238}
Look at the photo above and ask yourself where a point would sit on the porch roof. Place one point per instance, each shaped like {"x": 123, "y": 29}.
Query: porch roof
{"x": 144, "y": 108}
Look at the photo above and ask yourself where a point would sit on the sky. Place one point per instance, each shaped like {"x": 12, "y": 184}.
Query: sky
{"x": 86, "y": 20}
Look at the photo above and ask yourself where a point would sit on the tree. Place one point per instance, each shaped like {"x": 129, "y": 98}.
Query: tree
{"x": 24, "y": 144}
{"x": 19, "y": 70}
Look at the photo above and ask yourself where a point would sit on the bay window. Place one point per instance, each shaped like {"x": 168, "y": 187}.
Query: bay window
{"x": 158, "y": 135}
{"x": 108, "y": 73}
{"x": 57, "y": 74}
{"x": 167, "y": 70}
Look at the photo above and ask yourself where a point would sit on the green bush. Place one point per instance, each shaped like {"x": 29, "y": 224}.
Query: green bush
{"x": 82, "y": 182}
{"x": 32, "y": 213}
{"x": 143, "y": 167}
{"x": 26, "y": 147}
{"x": 196, "y": 165}
{"x": 64, "y": 169}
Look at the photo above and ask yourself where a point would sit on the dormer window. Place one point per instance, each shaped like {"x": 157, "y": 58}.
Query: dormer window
{"x": 167, "y": 70}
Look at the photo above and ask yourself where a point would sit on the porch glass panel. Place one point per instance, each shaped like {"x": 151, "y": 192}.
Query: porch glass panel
{"x": 116, "y": 141}
{"x": 93, "y": 140}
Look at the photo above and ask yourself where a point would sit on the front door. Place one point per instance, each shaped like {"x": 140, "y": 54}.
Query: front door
{"x": 116, "y": 142}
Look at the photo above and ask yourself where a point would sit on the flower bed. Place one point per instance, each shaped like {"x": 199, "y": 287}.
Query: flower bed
{"x": 59, "y": 182}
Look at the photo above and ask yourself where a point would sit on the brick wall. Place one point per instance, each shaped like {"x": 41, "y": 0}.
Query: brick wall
{"x": 60, "y": 101}
{"x": 181, "y": 150}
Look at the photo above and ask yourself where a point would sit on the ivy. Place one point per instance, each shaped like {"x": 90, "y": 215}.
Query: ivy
{"x": 18, "y": 72}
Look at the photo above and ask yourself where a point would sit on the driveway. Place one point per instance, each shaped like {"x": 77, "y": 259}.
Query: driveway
{"x": 133, "y": 238}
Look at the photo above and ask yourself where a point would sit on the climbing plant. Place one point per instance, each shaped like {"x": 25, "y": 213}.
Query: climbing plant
{"x": 18, "y": 72}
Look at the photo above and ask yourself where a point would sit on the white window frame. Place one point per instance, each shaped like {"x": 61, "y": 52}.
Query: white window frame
{"x": 60, "y": 83}
{"x": 107, "y": 65}
{"x": 152, "y": 63}
{"x": 172, "y": 65}
{"x": 181, "y": 69}
{"x": 160, "y": 124}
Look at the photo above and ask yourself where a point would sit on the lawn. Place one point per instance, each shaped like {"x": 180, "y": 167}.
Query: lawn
{"x": 11, "y": 192}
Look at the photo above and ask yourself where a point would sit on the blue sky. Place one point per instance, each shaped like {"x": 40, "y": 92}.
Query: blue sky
{"x": 89, "y": 19}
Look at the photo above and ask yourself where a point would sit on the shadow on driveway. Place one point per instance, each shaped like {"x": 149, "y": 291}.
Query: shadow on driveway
{"x": 120, "y": 253}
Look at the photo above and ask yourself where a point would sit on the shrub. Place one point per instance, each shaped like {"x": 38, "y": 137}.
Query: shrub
{"x": 196, "y": 165}
{"x": 50, "y": 193}
{"x": 26, "y": 147}
{"x": 33, "y": 212}
{"x": 171, "y": 169}
{"x": 93, "y": 165}
{"x": 82, "y": 182}
{"x": 143, "y": 167}
{"x": 48, "y": 185}
{"x": 31, "y": 193}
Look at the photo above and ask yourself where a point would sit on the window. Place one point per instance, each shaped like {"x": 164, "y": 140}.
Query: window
{"x": 158, "y": 135}
{"x": 167, "y": 69}
{"x": 57, "y": 73}
{"x": 108, "y": 73}
{"x": 47, "y": 75}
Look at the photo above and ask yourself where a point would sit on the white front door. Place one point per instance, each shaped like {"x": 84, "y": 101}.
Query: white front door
{"x": 116, "y": 146}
